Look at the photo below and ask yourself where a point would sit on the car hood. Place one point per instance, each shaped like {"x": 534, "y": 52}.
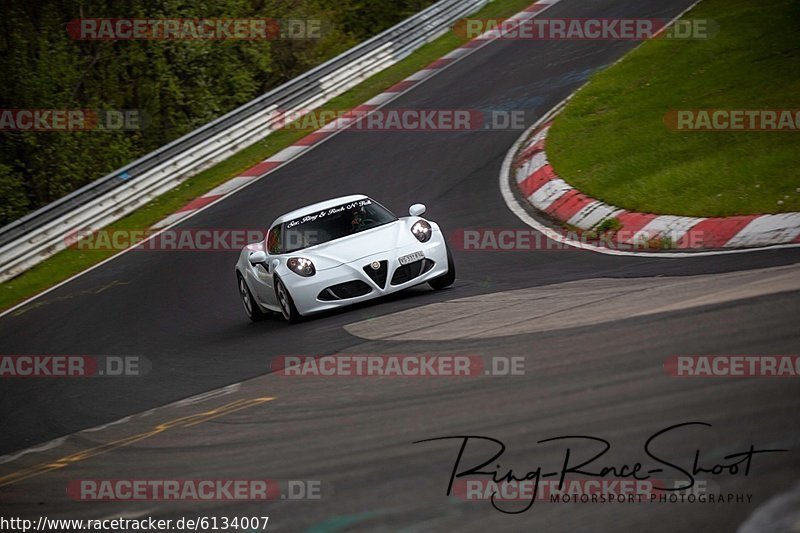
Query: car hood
{"x": 366, "y": 243}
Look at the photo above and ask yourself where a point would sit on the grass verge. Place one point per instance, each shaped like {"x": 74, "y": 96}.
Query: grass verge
{"x": 69, "y": 262}
{"x": 612, "y": 142}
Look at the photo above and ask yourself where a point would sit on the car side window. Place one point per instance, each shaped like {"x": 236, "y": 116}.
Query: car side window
{"x": 274, "y": 240}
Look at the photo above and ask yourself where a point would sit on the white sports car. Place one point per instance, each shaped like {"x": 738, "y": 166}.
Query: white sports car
{"x": 337, "y": 253}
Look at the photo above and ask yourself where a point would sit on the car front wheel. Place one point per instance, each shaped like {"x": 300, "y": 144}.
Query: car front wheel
{"x": 254, "y": 312}
{"x": 288, "y": 310}
{"x": 449, "y": 277}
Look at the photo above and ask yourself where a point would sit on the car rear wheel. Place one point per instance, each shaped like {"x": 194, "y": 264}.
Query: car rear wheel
{"x": 448, "y": 278}
{"x": 288, "y": 310}
{"x": 254, "y": 312}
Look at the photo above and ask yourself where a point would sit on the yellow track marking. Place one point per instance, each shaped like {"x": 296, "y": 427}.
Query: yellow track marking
{"x": 183, "y": 422}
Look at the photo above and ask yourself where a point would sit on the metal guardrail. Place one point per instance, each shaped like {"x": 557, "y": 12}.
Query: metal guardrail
{"x": 41, "y": 233}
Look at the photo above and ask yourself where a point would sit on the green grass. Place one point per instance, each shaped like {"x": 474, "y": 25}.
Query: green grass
{"x": 69, "y": 262}
{"x": 611, "y": 140}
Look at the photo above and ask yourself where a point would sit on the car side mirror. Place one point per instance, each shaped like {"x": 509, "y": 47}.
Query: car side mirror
{"x": 258, "y": 258}
{"x": 416, "y": 210}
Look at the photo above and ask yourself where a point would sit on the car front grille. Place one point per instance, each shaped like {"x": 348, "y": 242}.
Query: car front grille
{"x": 378, "y": 276}
{"x": 343, "y": 291}
{"x": 410, "y": 271}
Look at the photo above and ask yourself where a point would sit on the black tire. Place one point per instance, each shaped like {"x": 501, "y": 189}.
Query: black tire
{"x": 251, "y": 308}
{"x": 448, "y": 278}
{"x": 288, "y": 310}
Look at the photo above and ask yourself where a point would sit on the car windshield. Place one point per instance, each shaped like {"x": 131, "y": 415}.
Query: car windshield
{"x": 333, "y": 223}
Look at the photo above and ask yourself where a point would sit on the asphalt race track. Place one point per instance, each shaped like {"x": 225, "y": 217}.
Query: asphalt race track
{"x": 587, "y": 372}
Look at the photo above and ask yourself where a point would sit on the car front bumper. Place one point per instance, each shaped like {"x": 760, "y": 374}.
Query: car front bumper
{"x": 306, "y": 291}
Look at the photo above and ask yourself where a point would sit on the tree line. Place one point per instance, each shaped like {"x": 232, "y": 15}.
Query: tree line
{"x": 177, "y": 85}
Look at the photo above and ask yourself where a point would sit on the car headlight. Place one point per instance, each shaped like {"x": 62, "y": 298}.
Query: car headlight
{"x": 422, "y": 231}
{"x": 301, "y": 266}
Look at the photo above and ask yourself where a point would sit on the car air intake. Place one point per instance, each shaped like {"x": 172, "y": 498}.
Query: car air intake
{"x": 379, "y": 275}
{"x": 410, "y": 271}
{"x": 343, "y": 291}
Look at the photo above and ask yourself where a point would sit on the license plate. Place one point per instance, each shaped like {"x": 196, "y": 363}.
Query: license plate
{"x": 410, "y": 258}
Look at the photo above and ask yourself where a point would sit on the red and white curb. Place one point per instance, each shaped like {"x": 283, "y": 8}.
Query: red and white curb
{"x": 527, "y": 169}
{"x": 329, "y": 130}
{"x": 538, "y": 183}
